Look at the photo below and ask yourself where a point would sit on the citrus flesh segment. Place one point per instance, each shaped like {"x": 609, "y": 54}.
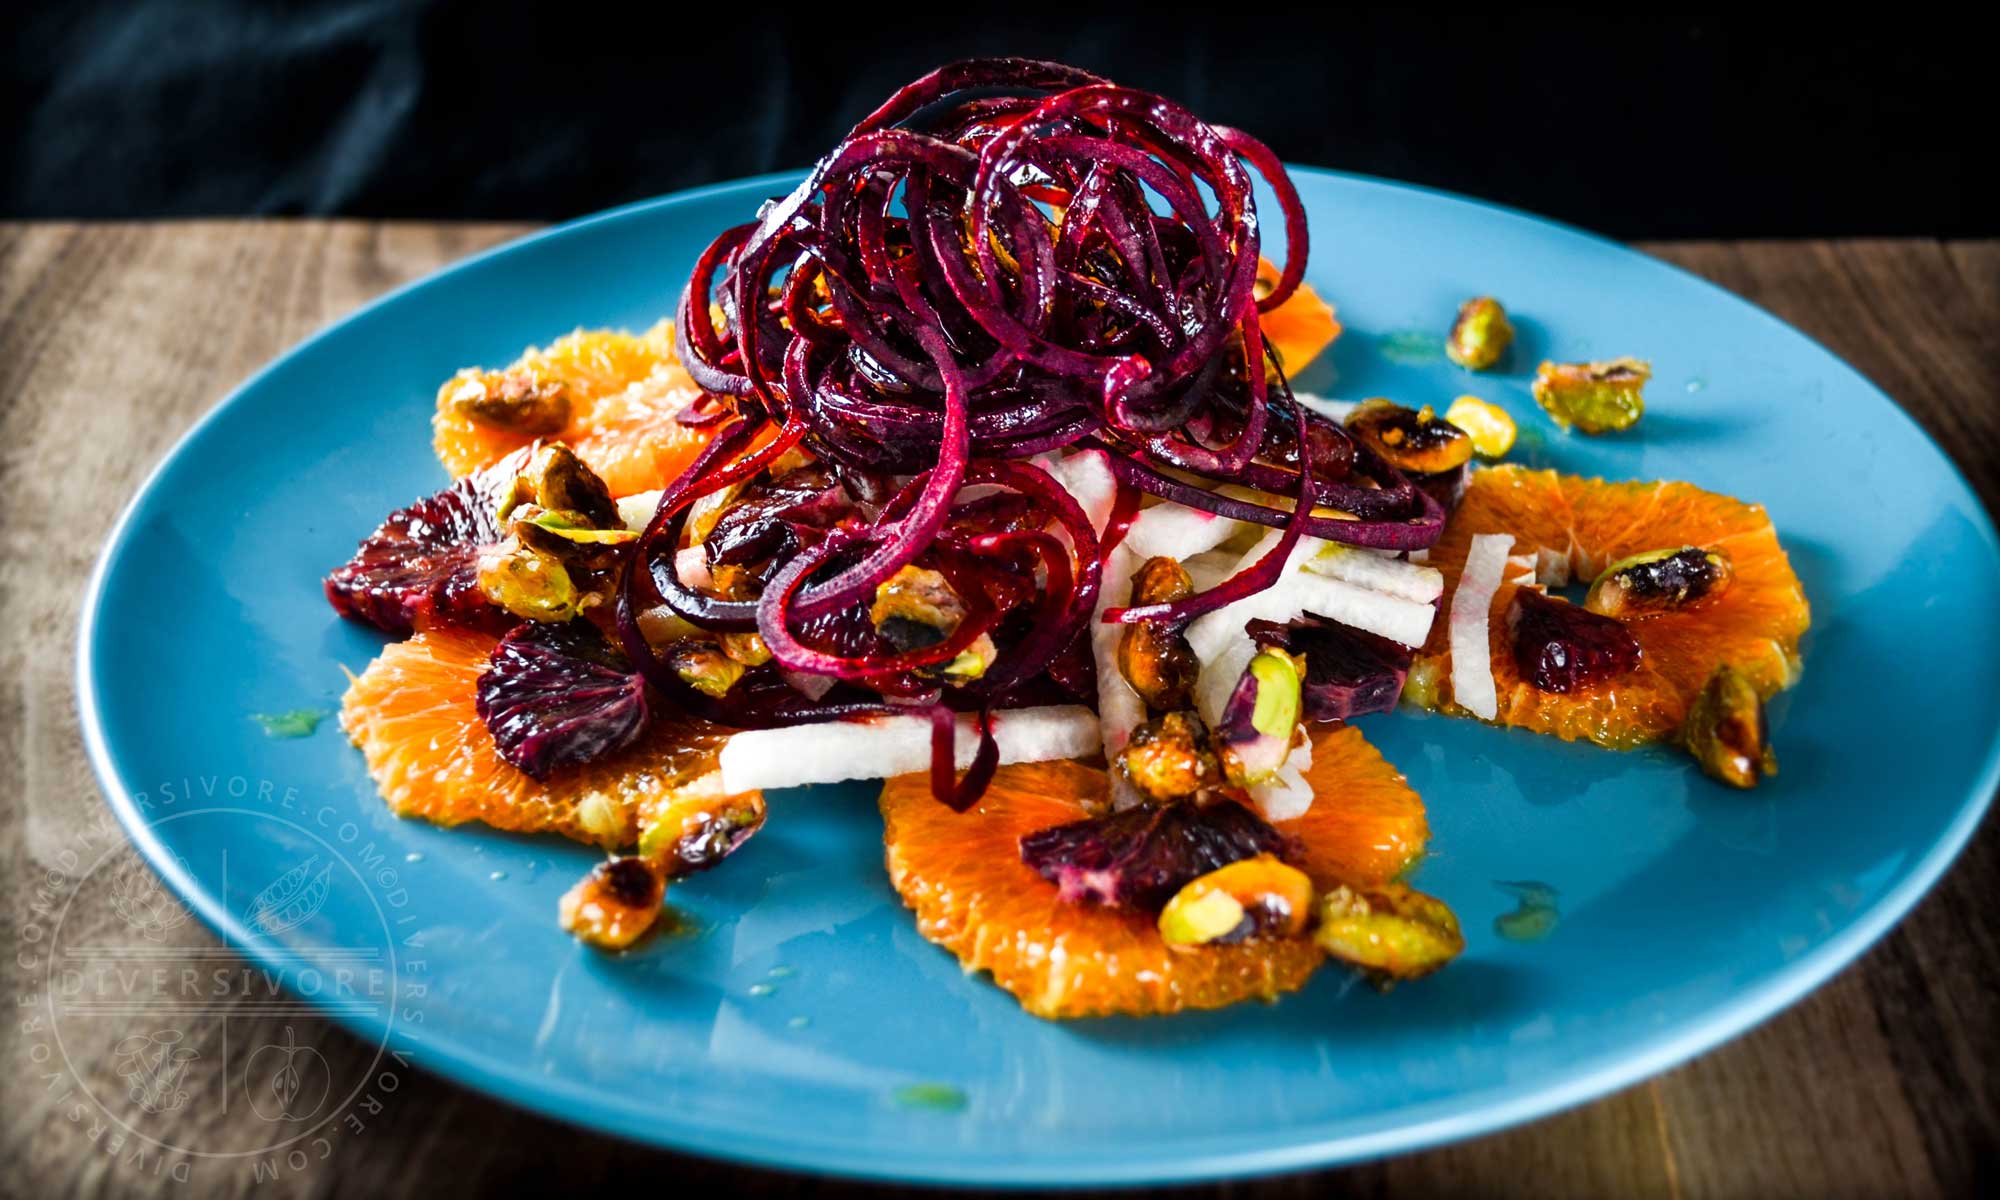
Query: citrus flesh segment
{"x": 963, "y": 876}
{"x": 1301, "y": 328}
{"x": 624, "y": 391}
{"x": 1753, "y": 625}
{"x": 413, "y": 714}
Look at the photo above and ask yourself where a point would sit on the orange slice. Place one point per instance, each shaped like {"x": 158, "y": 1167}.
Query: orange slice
{"x": 624, "y": 392}
{"x": 414, "y": 715}
{"x": 962, "y": 873}
{"x": 1754, "y": 624}
{"x": 1300, "y": 328}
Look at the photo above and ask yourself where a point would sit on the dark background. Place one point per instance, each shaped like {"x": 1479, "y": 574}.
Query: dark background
{"x": 1638, "y": 125}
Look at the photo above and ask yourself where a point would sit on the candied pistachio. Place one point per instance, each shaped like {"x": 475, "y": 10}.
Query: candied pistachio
{"x": 1154, "y": 656}
{"x": 508, "y": 401}
{"x": 704, "y": 667}
{"x": 558, "y": 480}
{"x": 694, "y": 837}
{"x": 915, "y": 608}
{"x": 1410, "y": 439}
{"x": 565, "y": 533}
{"x": 747, "y": 648}
{"x": 1171, "y": 758}
{"x": 615, "y": 904}
{"x": 1260, "y": 720}
{"x": 1595, "y": 397}
{"x": 526, "y": 582}
{"x": 1658, "y": 580}
{"x": 1248, "y": 898}
{"x": 973, "y": 661}
{"x": 706, "y": 511}
{"x": 1481, "y": 334}
{"x": 1488, "y": 425}
{"x": 1727, "y": 731}
{"x": 1390, "y": 932}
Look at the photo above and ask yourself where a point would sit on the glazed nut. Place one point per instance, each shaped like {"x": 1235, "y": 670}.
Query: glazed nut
{"x": 508, "y": 401}
{"x": 1488, "y": 425}
{"x": 1253, "y": 897}
{"x": 1727, "y": 730}
{"x": 615, "y": 904}
{"x": 747, "y": 648}
{"x": 1594, "y": 397}
{"x": 1410, "y": 439}
{"x": 1659, "y": 581}
{"x": 527, "y": 582}
{"x": 1171, "y": 758}
{"x": 1481, "y": 334}
{"x": 1260, "y": 720}
{"x": 703, "y": 666}
{"x": 916, "y": 608}
{"x": 556, "y": 479}
{"x": 1391, "y": 932}
{"x": 565, "y": 533}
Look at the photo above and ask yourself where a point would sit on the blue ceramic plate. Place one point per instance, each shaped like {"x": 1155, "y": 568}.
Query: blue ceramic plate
{"x": 802, "y": 1022}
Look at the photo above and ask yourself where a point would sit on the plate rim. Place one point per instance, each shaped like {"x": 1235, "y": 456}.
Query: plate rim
{"x": 1460, "y": 1116}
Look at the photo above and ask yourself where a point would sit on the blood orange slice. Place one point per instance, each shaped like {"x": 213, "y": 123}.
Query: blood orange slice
{"x": 1582, "y": 525}
{"x": 623, "y": 392}
{"x": 962, "y": 873}
{"x": 413, "y": 714}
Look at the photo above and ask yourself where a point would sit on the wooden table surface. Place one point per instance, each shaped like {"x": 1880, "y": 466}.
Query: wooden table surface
{"x": 113, "y": 338}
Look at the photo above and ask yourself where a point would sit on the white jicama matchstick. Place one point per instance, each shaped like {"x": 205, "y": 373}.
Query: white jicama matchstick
{"x": 1176, "y": 531}
{"x": 1471, "y": 604}
{"x": 882, "y": 747}
{"x": 1378, "y": 572}
{"x": 1119, "y": 708}
{"x": 1297, "y": 592}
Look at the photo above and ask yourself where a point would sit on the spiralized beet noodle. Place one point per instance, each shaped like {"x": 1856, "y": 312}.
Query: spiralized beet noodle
{"x": 1005, "y": 259}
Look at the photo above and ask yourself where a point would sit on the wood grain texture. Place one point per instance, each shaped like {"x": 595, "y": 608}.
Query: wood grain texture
{"x": 114, "y": 338}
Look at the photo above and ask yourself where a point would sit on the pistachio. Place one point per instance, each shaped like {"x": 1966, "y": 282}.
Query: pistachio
{"x": 1595, "y": 397}
{"x": 1488, "y": 425}
{"x": 973, "y": 661}
{"x": 915, "y": 608}
{"x": 1171, "y": 758}
{"x": 558, "y": 480}
{"x": 1248, "y": 898}
{"x": 1727, "y": 731}
{"x": 703, "y": 666}
{"x": 508, "y": 401}
{"x": 565, "y": 533}
{"x": 1260, "y": 720}
{"x": 1154, "y": 656}
{"x": 747, "y": 648}
{"x": 1480, "y": 335}
{"x": 526, "y": 582}
{"x": 1390, "y": 932}
{"x": 1658, "y": 581}
{"x": 1410, "y": 439}
{"x": 615, "y": 904}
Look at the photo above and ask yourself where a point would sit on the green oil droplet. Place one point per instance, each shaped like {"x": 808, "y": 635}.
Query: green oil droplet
{"x": 762, "y": 989}
{"x": 938, "y": 1097}
{"x": 783, "y": 972}
{"x": 1412, "y": 347}
{"x": 298, "y": 723}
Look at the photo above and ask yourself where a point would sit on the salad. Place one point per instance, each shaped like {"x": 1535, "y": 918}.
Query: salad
{"x": 974, "y": 464}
